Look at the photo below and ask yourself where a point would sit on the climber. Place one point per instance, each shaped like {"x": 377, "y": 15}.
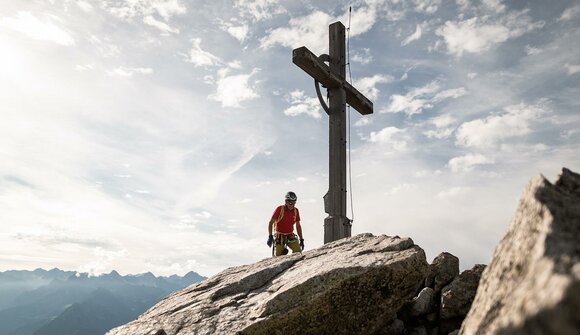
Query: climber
{"x": 283, "y": 220}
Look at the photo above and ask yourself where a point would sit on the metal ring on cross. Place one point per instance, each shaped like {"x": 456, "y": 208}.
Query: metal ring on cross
{"x": 324, "y": 58}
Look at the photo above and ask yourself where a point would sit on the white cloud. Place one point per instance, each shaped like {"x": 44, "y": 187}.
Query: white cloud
{"x": 129, "y": 71}
{"x": 516, "y": 121}
{"x": 85, "y": 6}
{"x": 427, "y": 6}
{"x": 463, "y": 4}
{"x": 232, "y": 90}
{"x": 200, "y": 57}
{"x": 312, "y": 30}
{"x": 164, "y": 27}
{"x": 480, "y": 34}
{"x": 468, "y": 162}
{"x": 421, "y": 98}
{"x": 453, "y": 192}
{"x": 391, "y": 136}
{"x": 105, "y": 47}
{"x": 203, "y": 215}
{"x": 367, "y": 85}
{"x": 239, "y": 32}
{"x": 569, "y": 133}
{"x": 363, "y": 56}
{"x": 570, "y": 13}
{"x": 439, "y": 133}
{"x": 405, "y": 187}
{"x": 33, "y": 27}
{"x": 532, "y": 51}
{"x": 472, "y": 75}
{"x": 445, "y": 125}
{"x": 133, "y": 8}
{"x": 572, "y": 68}
{"x": 302, "y": 104}
{"x": 259, "y": 10}
{"x": 443, "y": 121}
{"x": 495, "y": 5}
{"x": 413, "y": 37}
{"x": 364, "y": 121}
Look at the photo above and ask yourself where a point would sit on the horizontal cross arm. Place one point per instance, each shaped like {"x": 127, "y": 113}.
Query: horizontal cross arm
{"x": 357, "y": 100}
{"x": 316, "y": 68}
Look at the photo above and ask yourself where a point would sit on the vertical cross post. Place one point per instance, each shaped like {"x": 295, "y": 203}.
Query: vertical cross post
{"x": 337, "y": 225}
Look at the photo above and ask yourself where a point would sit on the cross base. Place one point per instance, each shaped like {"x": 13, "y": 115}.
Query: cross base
{"x": 336, "y": 227}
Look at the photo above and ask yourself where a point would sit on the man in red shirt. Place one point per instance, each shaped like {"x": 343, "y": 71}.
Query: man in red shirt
{"x": 283, "y": 220}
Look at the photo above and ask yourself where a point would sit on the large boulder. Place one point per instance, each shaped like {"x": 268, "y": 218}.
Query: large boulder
{"x": 350, "y": 286}
{"x": 532, "y": 285}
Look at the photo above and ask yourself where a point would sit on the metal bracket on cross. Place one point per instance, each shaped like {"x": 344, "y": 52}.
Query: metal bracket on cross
{"x": 324, "y": 58}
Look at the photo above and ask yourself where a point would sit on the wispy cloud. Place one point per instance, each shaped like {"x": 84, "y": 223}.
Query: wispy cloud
{"x": 452, "y": 193}
{"x": 259, "y": 10}
{"x": 135, "y": 8}
{"x": 46, "y": 29}
{"x": 237, "y": 30}
{"x": 468, "y": 162}
{"x": 420, "y": 98}
{"x": 164, "y": 27}
{"x": 130, "y": 71}
{"x": 414, "y": 36}
{"x": 368, "y": 85}
{"x": 200, "y": 57}
{"x": 426, "y": 6}
{"x": 572, "y": 68}
{"x": 363, "y": 56}
{"x": 570, "y": 13}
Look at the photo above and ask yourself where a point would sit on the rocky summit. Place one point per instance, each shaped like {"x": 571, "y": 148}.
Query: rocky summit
{"x": 346, "y": 287}
{"x": 383, "y": 285}
{"x": 532, "y": 285}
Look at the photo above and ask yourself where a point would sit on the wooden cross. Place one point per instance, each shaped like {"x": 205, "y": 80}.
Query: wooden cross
{"x": 336, "y": 224}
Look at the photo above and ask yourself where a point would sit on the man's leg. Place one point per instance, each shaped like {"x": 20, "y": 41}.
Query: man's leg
{"x": 279, "y": 246}
{"x": 294, "y": 244}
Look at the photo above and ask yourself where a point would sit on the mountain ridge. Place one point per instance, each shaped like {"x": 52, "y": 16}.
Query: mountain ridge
{"x": 44, "y": 302}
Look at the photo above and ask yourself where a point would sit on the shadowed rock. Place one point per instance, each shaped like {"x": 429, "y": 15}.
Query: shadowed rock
{"x": 442, "y": 271}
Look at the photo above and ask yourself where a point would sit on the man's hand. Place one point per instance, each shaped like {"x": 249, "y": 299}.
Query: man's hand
{"x": 270, "y": 240}
{"x": 302, "y": 243}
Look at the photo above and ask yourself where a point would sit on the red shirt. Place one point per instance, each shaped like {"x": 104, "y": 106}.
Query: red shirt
{"x": 286, "y": 225}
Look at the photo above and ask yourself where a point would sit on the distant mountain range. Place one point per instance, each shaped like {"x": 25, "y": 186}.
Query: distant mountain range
{"x": 42, "y": 302}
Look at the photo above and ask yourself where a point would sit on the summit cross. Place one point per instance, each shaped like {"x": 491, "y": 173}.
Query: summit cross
{"x": 332, "y": 76}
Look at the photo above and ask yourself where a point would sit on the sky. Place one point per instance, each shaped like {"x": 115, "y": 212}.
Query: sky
{"x": 160, "y": 135}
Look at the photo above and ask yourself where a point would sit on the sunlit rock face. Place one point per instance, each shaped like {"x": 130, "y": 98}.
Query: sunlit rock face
{"x": 350, "y": 286}
{"x": 532, "y": 285}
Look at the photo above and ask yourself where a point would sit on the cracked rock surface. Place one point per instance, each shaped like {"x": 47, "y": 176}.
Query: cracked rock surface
{"x": 353, "y": 285}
